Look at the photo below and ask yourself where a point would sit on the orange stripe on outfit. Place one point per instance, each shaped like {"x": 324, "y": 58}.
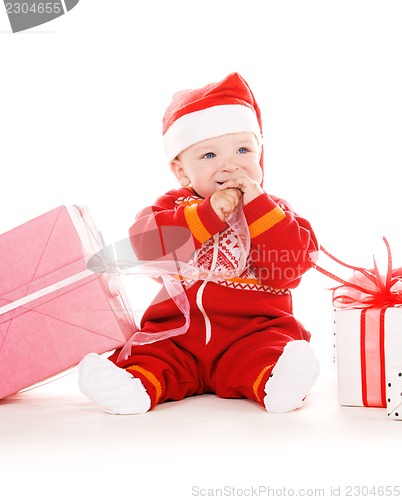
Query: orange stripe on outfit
{"x": 248, "y": 281}
{"x": 266, "y": 221}
{"x": 258, "y": 380}
{"x": 188, "y": 203}
{"x": 195, "y": 224}
{"x": 151, "y": 378}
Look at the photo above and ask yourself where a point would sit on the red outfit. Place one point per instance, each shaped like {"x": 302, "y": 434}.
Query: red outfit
{"x": 238, "y": 326}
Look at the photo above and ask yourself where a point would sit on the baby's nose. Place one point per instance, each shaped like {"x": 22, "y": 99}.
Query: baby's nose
{"x": 229, "y": 166}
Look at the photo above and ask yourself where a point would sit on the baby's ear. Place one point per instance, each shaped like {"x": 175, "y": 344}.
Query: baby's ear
{"x": 178, "y": 171}
{"x": 175, "y": 167}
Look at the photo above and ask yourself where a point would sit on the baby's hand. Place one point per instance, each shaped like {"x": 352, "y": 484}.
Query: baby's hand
{"x": 250, "y": 188}
{"x": 225, "y": 201}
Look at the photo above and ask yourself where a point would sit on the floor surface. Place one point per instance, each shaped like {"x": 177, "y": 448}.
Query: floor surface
{"x": 54, "y": 443}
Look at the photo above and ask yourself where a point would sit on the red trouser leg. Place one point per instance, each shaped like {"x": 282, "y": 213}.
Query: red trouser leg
{"x": 234, "y": 363}
{"x": 167, "y": 371}
{"x": 245, "y": 367}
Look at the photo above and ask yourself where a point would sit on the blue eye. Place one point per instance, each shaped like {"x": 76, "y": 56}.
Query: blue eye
{"x": 243, "y": 150}
{"x": 209, "y": 155}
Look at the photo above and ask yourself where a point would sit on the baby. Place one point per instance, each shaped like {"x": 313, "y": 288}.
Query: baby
{"x": 242, "y": 340}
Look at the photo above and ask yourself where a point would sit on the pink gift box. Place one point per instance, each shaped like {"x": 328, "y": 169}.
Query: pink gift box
{"x": 53, "y": 310}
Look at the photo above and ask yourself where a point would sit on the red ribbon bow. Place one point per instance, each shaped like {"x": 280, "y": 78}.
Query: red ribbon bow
{"x": 367, "y": 287}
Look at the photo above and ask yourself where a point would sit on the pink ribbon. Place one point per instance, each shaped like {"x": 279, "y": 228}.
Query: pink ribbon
{"x": 171, "y": 272}
{"x": 175, "y": 291}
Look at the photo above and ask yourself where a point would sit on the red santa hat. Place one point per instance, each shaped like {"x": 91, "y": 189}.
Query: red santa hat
{"x": 218, "y": 108}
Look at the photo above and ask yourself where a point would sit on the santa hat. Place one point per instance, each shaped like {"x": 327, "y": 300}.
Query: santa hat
{"x": 218, "y": 108}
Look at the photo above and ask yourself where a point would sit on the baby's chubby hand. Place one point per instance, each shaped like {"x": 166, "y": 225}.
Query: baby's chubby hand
{"x": 225, "y": 201}
{"x": 248, "y": 187}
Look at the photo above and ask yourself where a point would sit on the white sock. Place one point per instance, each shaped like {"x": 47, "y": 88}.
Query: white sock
{"x": 292, "y": 377}
{"x": 111, "y": 387}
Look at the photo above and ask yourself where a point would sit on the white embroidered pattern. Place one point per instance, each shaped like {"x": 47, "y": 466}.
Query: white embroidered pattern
{"x": 228, "y": 258}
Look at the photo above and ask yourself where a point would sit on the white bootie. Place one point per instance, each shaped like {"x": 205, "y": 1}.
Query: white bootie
{"x": 111, "y": 387}
{"x": 292, "y": 377}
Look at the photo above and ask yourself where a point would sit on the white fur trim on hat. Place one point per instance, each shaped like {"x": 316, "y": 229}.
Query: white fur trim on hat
{"x": 207, "y": 123}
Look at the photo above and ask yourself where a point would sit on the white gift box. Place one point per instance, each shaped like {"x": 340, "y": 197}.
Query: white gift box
{"x": 369, "y": 358}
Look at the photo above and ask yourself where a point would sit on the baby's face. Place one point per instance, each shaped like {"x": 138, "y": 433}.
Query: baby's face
{"x": 209, "y": 163}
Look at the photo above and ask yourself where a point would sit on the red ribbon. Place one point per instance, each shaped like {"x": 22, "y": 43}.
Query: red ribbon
{"x": 367, "y": 287}
{"x": 372, "y": 356}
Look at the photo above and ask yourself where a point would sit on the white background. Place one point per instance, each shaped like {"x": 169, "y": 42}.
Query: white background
{"x": 82, "y": 99}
